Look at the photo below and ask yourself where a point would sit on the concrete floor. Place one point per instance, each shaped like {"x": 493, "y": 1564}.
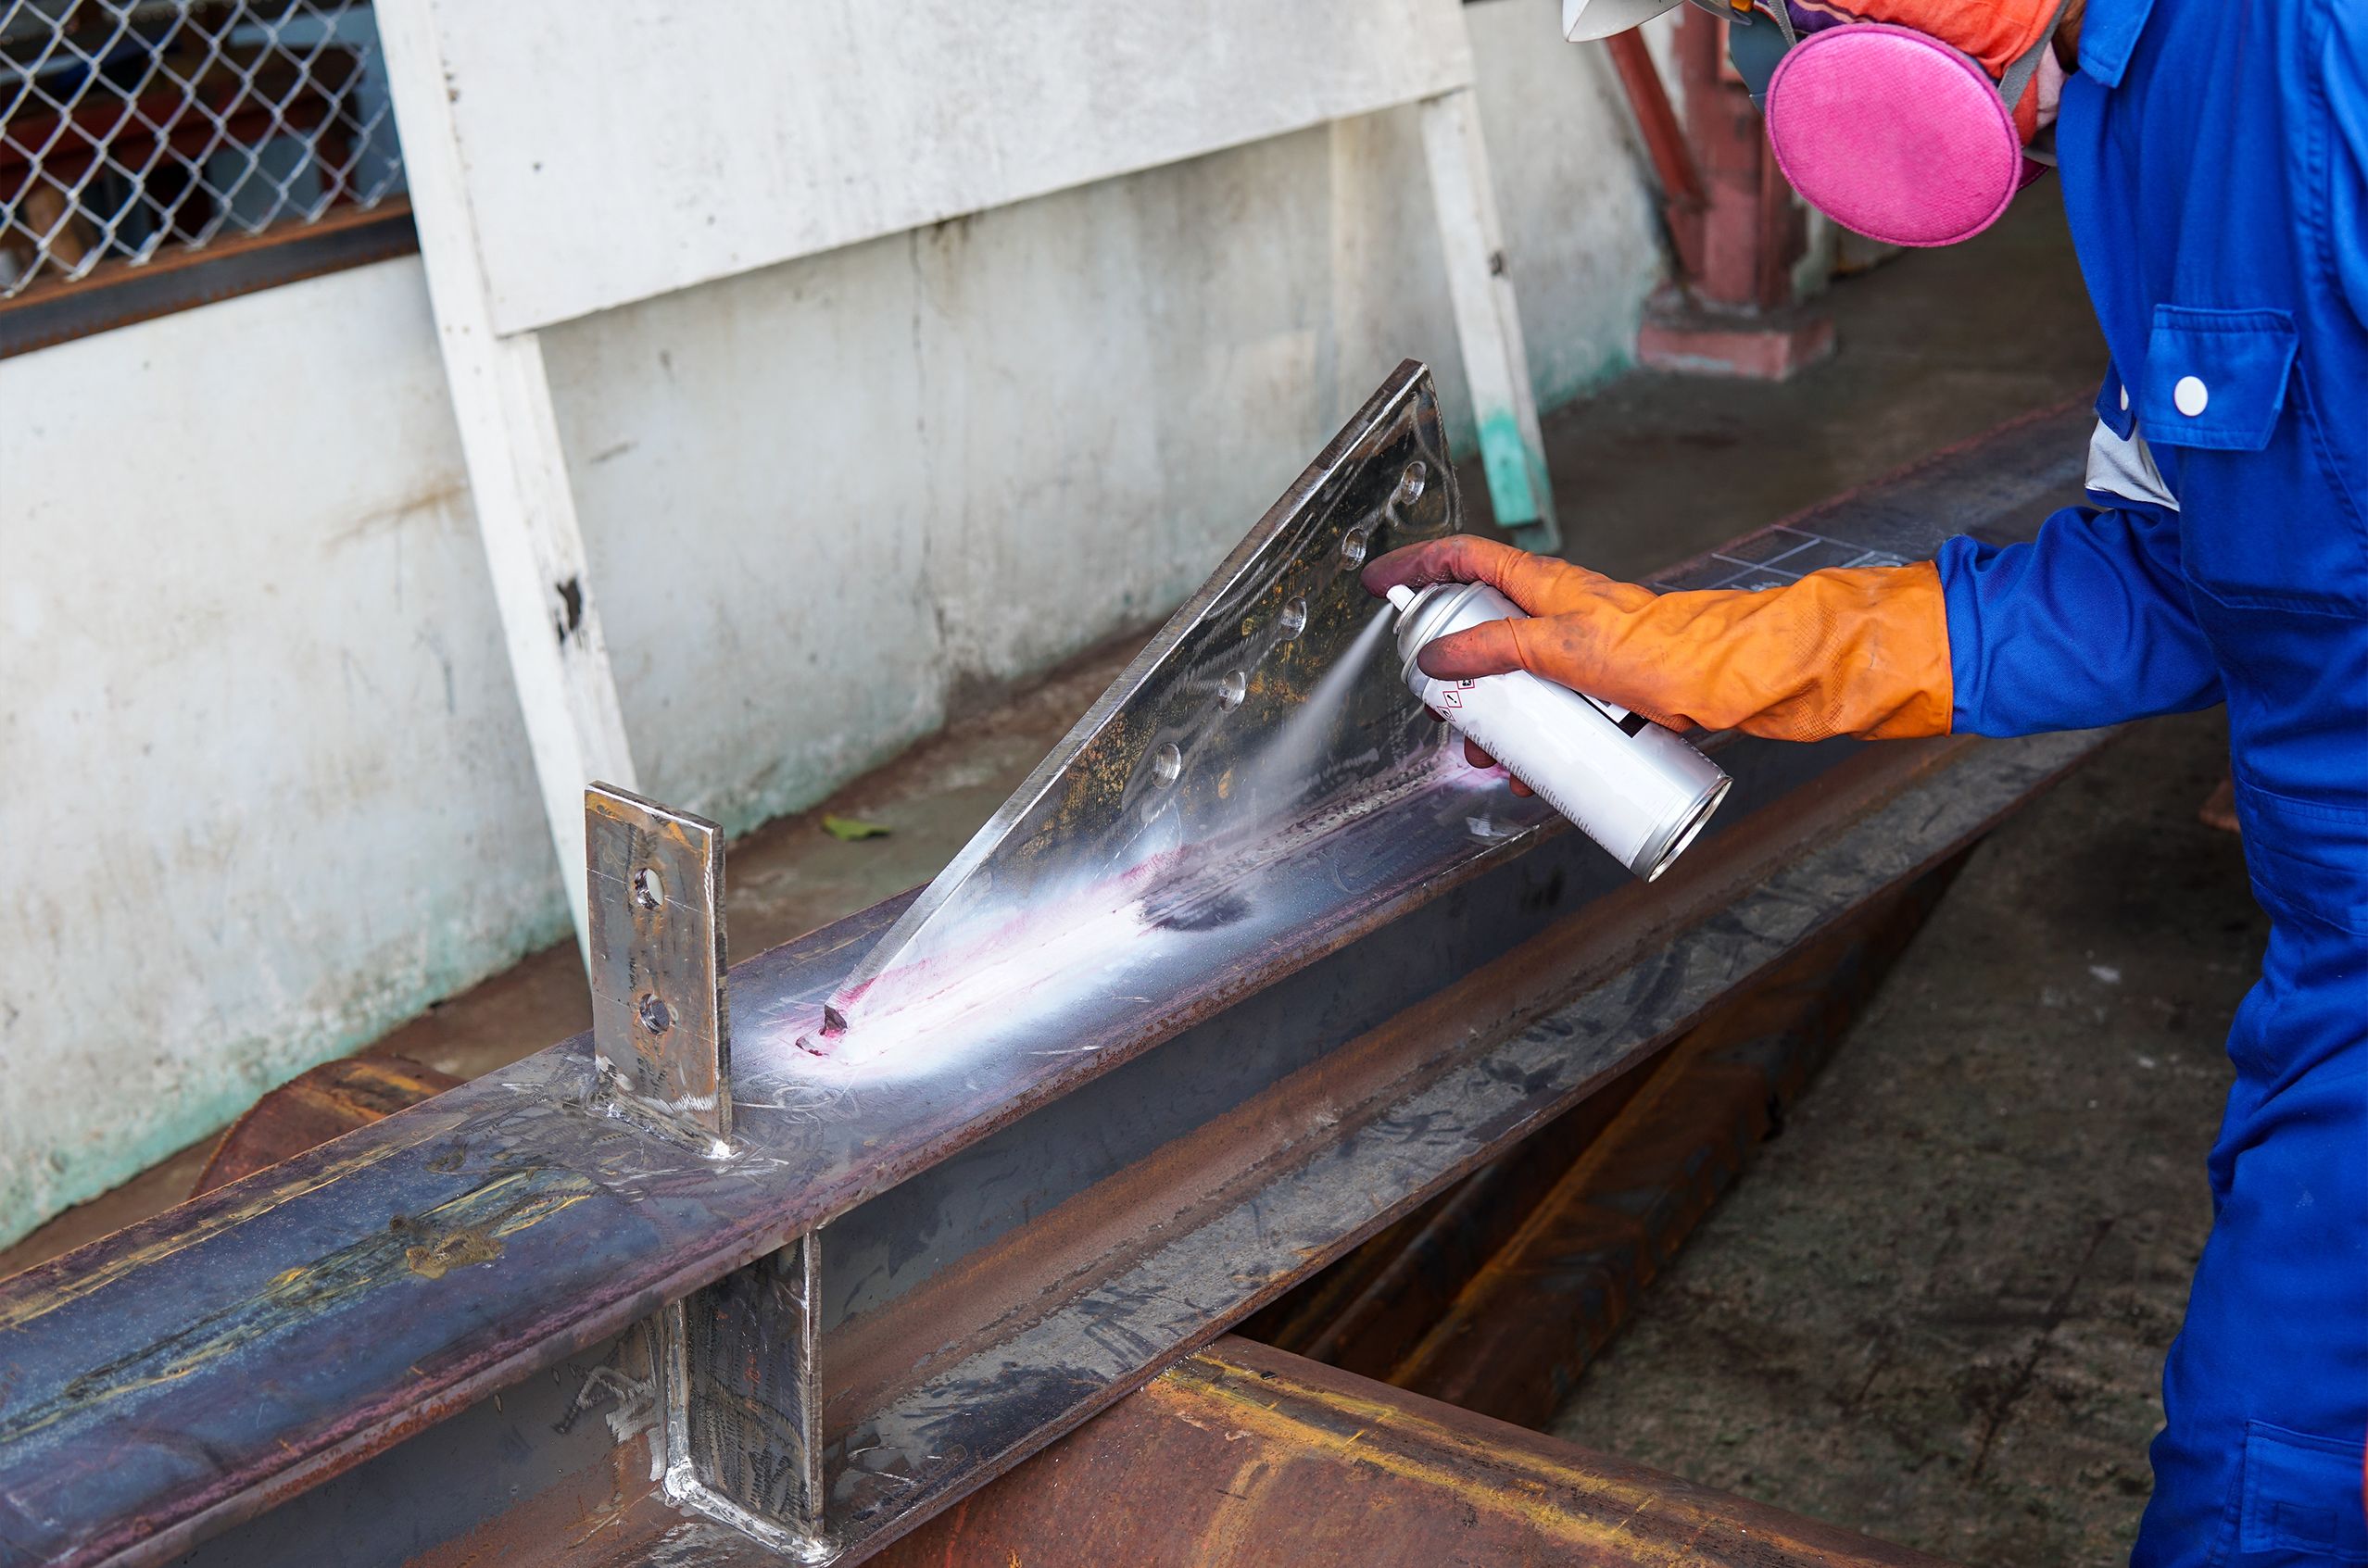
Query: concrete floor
{"x": 1935, "y": 1309}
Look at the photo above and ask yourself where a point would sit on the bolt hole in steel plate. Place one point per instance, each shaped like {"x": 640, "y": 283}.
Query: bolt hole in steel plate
{"x": 1412, "y": 481}
{"x": 1156, "y": 780}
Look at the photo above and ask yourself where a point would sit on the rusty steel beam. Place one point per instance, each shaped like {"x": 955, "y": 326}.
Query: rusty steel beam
{"x": 1514, "y": 1337}
{"x": 1415, "y": 1305}
{"x": 308, "y": 1109}
{"x": 1033, "y": 1220}
{"x": 1245, "y": 1454}
{"x": 1731, "y": 309}
{"x": 1371, "y": 1307}
{"x": 1246, "y": 1443}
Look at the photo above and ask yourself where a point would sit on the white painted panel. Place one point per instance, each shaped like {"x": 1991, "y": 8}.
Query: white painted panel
{"x": 616, "y": 150}
{"x": 997, "y": 440}
{"x": 1487, "y": 319}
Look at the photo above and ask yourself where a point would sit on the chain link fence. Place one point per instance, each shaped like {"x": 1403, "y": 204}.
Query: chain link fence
{"x": 134, "y": 129}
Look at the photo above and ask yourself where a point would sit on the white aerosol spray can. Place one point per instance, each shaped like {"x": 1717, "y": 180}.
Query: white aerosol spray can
{"x": 1638, "y": 789}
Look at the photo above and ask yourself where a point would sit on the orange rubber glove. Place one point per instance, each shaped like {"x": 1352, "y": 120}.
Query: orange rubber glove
{"x": 1847, "y": 651}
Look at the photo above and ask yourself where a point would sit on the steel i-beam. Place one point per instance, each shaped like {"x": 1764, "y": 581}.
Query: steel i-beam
{"x": 1313, "y": 970}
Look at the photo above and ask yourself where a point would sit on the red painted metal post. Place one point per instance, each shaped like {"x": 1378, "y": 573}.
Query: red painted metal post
{"x": 1727, "y": 143}
{"x": 1682, "y": 199}
{"x": 1731, "y": 310}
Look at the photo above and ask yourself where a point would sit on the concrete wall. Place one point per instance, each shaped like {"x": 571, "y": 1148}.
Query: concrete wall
{"x": 261, "y": 774}
{"x": 263, "y": 786}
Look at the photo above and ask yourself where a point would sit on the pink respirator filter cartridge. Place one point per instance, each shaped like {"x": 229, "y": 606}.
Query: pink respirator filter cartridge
{"x": 1894, "y": 135}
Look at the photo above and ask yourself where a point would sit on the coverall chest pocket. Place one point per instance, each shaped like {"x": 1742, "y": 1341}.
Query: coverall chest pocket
{"x": 2266, "y": 520}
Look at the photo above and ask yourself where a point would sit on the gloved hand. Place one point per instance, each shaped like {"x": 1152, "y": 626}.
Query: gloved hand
{"x": 1858, "y": 651}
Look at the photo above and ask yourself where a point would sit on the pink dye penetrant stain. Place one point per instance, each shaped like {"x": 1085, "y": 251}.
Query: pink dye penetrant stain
{"x": 1041, "y": 964}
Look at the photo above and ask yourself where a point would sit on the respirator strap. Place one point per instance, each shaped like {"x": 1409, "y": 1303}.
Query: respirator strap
{"x": 1754, "y": 51}
{"x": 2016, "y": 80}
{"x": 1737, "y": 11}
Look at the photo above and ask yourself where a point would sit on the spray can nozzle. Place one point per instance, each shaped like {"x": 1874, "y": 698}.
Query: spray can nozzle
{"x": 1401, "y": 599}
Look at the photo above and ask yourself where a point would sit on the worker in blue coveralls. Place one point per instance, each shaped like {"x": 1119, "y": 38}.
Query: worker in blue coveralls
{"x": 2213, "y": 155}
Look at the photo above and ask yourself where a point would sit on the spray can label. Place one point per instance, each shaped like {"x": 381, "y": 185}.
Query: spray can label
{"x": 1451, "y": 698}
{"x": 1555, "y": 741}
{"x": 1630, "y": 725}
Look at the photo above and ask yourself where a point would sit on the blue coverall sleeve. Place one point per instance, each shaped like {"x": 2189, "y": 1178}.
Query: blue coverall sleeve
{"x": 2088, "y": 624}
{"x": 2344, "y": 65}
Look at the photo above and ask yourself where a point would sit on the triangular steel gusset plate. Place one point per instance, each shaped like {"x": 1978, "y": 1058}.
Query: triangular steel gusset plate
{"x": 1274, "y": 691}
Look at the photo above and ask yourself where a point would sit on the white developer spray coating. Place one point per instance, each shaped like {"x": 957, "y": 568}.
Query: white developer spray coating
{"x": 1100, "y": 929}
{"x": 1639, "y": 790}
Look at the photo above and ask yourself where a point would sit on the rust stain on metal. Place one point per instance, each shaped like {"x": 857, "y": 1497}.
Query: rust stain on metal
{"x": 314, "y": 1107}
{"x": 1512, "y": 1341}
{"x": 1243, "y": 1453}
{"x": 69, "y": 1277}
{"x": 1426, "y": 1453}
{"x": 436, "y": 1258}
{"x": 500, "y": 1208}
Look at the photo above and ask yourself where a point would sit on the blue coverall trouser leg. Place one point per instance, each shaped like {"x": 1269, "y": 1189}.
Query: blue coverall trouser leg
{"x": 2259, "y": 1462}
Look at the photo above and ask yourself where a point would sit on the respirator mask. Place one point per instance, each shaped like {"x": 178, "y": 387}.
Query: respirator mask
{"x": 1911, "y": 121}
